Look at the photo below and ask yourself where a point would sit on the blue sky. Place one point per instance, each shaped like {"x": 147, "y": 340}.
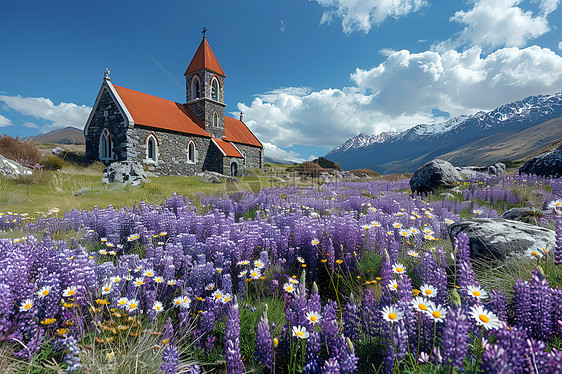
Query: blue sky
{"x": 308, "y": 74}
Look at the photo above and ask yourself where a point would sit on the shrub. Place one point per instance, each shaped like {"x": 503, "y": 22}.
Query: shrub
{"x": 369, "y": 172}
{"x": 327, "y": 164}
{"x": 24, "y": 152}
{"x": 52, "y": 163}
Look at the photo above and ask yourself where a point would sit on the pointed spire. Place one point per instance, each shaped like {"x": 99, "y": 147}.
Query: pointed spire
{"x": 204, "y": 58}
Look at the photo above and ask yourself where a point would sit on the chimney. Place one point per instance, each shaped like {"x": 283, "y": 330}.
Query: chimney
{"x": 241, "y": 116}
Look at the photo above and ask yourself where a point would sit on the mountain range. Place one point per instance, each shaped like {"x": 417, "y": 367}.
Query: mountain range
{"x": 509, "y": 132}
{"x": 67, "y": 135}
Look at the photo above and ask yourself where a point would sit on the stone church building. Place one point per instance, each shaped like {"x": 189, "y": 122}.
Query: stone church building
{"x": 170, "y": 138}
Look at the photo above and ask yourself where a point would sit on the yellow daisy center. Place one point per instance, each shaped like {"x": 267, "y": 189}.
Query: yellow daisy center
{"x": 392, "y": 316}
{"x": 289, "y": 288}
{"x": 45, "y": 292}
{"x": 71, "y": 292}
{"x": 399, "y": 270}
{"x": 428, "y": 292}
{"x": 299, "y": 334}
{"x": 313, "y": 318}
{"x": 122, "y": 302}
{"x": 534, "y": 253}
{"x": 27, "y": 306}
{"x": 476, "y": 293}
{"x": 422, "y": 307}
{"x": 395, "y": 286}
{"x": 484, "y": 318}
{"x": 133, "y": 305}
{"x": 436, "y": 314}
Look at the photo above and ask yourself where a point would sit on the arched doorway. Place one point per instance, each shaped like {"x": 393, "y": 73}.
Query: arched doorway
{"x": 233, "y": 169}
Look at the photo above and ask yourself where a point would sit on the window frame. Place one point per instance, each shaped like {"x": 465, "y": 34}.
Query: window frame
{"x": 215, "y": 92}
{"x": 156, "y": 145}
{"x": 105, "y": 142}
{"x": 195, "y": 91}
{"x": 190, "y": 160}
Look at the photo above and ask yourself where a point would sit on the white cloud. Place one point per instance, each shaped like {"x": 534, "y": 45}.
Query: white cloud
{"x": 31, "y": 125}
{"x": 271, "y": 150}
{"x": 61, "y": 115}
{"x": 5, "y": 121}
{"x": 500, "y": 23}
{"x": 362, "y": 15}
{"x": 401, "y": 92}
{"x": 560, "y": 45}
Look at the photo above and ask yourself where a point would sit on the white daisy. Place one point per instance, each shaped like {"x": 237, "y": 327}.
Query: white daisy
{"x": 535, "y": 253}
{"x": 226, "y": 298}
{"x": 217, "y": 295}
{"x": 148, "y": 273}
{"x": 313, "y": 317}
{"x": 106, "y": 289}
{"x": 26, "y": 305}
{"x": 428, "y": 290}
{"x": 69, "y": 291}
{"x": 259, "y": 264}
{"x": 289, "y": 287}
{"x": 397, "y": 225}
{"x": 122, "y": 302}
{"x": 315, "y": 241}
{"x": 555, "y": 204}
{"x": 393, "y": 285}
{"x": 437, "y": 312}
{"x": 476, "y": 292}
{"x": 132, "y": 305}
{"x": 392, "y": 314}
{"x": 398, "y": 268}
{"x": 172, "y": 282}
{"x": 158, "y": 307}
{"x": 255, "y": 273}
{"x": 210, "y": 286}
{"x": 139, "y": 282}
{"x": 421, "y": 304}
{"x": 300, "y": 332}
{"x": 485, "y": 318}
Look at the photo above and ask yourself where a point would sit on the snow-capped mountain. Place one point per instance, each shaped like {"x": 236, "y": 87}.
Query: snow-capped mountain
{"x": 364, "y": 140}
{"x": 405, "y": 151}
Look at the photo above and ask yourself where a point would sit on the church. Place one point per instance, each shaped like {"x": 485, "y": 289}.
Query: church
{"x": 169, "y": 138}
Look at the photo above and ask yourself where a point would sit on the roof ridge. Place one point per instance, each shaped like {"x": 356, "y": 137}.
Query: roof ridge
{"x": 142, "y": 93}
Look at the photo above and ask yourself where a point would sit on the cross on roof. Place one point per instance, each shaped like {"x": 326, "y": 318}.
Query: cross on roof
{"x": 204, "y": 31}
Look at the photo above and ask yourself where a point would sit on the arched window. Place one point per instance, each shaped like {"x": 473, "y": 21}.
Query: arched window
{"x": 215, "y": 119}
{"x": 215, "y": 89}
{"x": 233, "y": 169}
{"x": 151, "y": 148}
{"x": 106, "y": 146}
{"x": 191, "y": 150}
{"x": 195, "y": 88}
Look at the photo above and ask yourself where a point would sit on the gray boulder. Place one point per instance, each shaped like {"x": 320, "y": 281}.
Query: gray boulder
{"x": 11, "y": 169}
{"x": 433, "y": 175}
{"x": 124, "y": 172}
{"x": 527, "y": 215}
{"x": 547, "y": 165}
{"x": 214, "y": 177}
{"x": 500, "y": 238}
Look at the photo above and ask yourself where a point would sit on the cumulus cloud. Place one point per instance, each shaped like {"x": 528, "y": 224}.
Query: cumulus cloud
{"x": 560, "y": 45}
{"x": 272, "y": 151}
{"x": 500, "y": 23}
{"x": 404, "y": 90}
{"x": 31, "y": 125}
{"x": 5, "y": 121}
{"x": 362, "y": 15}
{"x": 61, "y": 115}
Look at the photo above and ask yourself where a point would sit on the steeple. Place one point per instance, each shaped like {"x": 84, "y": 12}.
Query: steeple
{"x": 204, "y": 88}
{"x": 204, "y": 58}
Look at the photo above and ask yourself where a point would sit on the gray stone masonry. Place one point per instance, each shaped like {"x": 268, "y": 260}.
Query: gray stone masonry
{"x": 107, "y": 115}
{"x": 204, "y": 107}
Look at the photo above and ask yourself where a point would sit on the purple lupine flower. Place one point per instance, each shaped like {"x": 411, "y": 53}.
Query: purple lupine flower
{"x": 513, "y": 344}
{"x": 522, "y": 314}
{"x": 494, "y": 360}
{"x": 313, "y": 345}
{"x": 556, "y": 310}
{"x": 558, "y": 250}
{"x": 331, "y": 366}
{"x": 541, "y": 304}
{"x": 389, "y": 359}
{"x": 498, "y": 305}
{"x": 311, "y": 367}
{"x": 232, "y": 340}
{"x": 168, "y": 333}
{"x": 263, "y": 352}
{"x": 170, "y": 358}
{"x": 351, "y": 321}
{"x": 454, "y": 338}
{"x": 536, "y": 357}
{"x": 71, "y": 355}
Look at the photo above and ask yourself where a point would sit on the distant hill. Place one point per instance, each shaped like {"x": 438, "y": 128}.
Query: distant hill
{"x": 68, "y": 135}
{"x": 510, "y": 132}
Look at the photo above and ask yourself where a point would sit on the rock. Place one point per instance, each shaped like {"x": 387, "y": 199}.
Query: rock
{"x": 547, "y": 165}
{"x": 527, "y": 215}
{"x": 82, "y": 191}
{"x": 448, "y": 195}
{"x": 124, "y": 172}
{"x": 214, "y": 177}
{"x": 57, "y": 151}
{"x": 433, "y": 175}
{"x": 11, "y": 169}
{"x": 500, "y": 238}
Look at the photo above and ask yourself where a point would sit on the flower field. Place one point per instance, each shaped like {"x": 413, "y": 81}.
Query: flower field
{"x": 346, "y": 278}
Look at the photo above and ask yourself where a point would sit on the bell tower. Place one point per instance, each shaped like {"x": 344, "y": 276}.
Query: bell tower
{"x": 204, "y": 86}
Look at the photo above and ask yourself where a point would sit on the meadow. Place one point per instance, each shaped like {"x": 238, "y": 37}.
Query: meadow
{"x": 177, "y": 276}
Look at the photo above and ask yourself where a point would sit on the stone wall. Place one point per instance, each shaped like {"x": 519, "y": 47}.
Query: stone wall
{"x": 172, "y": 155}
{"x": 107, "y": 115}
{"x": 254, "y": 156}
{"x": 204, "y": 108}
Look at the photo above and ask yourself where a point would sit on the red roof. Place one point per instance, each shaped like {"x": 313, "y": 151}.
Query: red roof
{"x": 204, "y": 59}
{"x": 237, "y": 132}
{"x": 160, "y": 113}
{"x": 227, "y": 148}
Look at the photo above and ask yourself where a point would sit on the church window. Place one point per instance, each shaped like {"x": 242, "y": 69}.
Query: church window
{"x": 215, "y": 89}
{"x": 215, "y": 119}
{"x": 195, "y": 88}
{"x": 106, "y": 146}
{"x": 151, "y": 148}
{"x": 191, "y": 152}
